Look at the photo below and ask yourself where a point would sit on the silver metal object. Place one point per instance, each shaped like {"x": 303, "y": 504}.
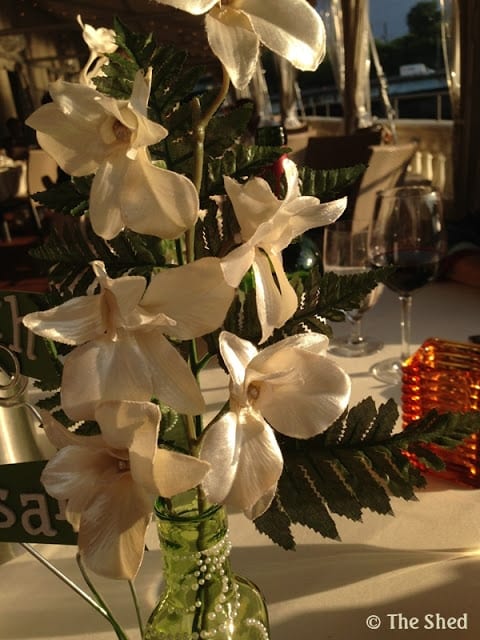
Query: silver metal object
{"x": 17, "y": 439}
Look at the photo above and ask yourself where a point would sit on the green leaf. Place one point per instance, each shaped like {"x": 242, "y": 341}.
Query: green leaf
{"x": 358, "y": 464}
{"x": 329, "y": 184}
{"x": 239, "y": 162}
{"x": 276, "y": 524}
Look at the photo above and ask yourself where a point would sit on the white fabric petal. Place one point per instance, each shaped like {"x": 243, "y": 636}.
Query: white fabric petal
{"x": 127, "y": 291}
{"x": 112, "y": 531}
{"x": 237, "y": 353}
{"x": 253, "y": 203}
{"x": 105, "y": 206}
{"x": 236, "y": 263}
{"x": 175, "y": 472}
{"x": 234, "y": 43}
{"x": 61, "y": 437}
{"x": 62, "y": 138}
{"x": 259, "y": 469}
{"x": 274, "y": 305}
{"x": 195, "y": 7}
{"x": 157, "y": 201}
{"x": 172, "y": 380}
{"x": 102, "y": 370}
{"x": 307, "y": 212}
{"x": 219, "y": 447}
{"x": 74, "y": 474}
{"x": 141, "y": 93}
{"x": 73, "y": 322}
{"x": 121, "y": 421}
{"x": 306, "y": 403}
{"x": 195, "y": 296}
{"x": 291, "y": 28}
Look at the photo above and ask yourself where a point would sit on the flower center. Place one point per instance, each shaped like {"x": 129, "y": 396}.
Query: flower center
{"x": 121, "y": 132}
{"x": 253, "y": 391}
{"x": 123, "y": 465}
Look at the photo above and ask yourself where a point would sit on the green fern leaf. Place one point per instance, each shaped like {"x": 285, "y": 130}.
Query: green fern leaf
{"x": 329, "y": 184}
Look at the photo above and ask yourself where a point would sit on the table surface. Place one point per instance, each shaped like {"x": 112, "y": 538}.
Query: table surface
{"x": 417, "y": 570}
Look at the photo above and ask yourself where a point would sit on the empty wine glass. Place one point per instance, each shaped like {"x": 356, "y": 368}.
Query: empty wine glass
{"x": 345, "y": 252}
{"x": 407, "y": 232}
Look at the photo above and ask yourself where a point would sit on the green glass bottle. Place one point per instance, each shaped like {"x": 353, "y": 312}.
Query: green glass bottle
{"x": 202, "y": 597}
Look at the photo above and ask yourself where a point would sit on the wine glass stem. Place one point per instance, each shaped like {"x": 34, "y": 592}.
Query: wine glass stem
{"x": 355, "y": 336}
{"x": 405, "y": 323}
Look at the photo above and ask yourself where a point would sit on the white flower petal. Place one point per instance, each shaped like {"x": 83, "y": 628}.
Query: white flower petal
{"x": 291, "y": 28}
{"x": 120, "y": 422}
{"x": 195, "y": 7}
{"x": 106, "y": 207}
{"x": 112, "y": 531}
{"x": 156, "y": 201}
{"x": 102, "y": 370}
{"x": 128, "y": 291}
{"x": 236, "y": 263}
{"x": 307, "y": 212}
{"x": 253, "y": 203}
{"x": 73, "y": 322}
{"x": 274, "y": 305}
{"x": 175, "y": 472}
{"x": 195, "y": 296}
{"x": 306, "y": 403}
{"x": 172, "y": 380}
{"x": 259, "y": 468}
{"x": 234, "y": 43}
{"x": 74, "y": 474}
{"x": 219, "y": 447}
{"x": 237, "y": 354}
{"x": 61, "y": 437}
{"x": 141, "y": 93}
{"x": 63, "y": 137}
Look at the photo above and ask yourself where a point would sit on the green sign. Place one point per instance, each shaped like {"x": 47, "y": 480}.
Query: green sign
{"x": 27, "y": 512}
{"x": 36, "y": 355}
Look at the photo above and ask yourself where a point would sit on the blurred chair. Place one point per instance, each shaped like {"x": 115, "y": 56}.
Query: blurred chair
{"x": 386, "y": 168}
{"x": 336, "y": 152}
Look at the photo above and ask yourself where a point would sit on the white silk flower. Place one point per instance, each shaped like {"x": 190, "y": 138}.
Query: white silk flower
{"x": 110, "y": 482}
{"x": 88, "y": 132}
{"x": 122, "y": 351}
{"x": 267, "y": 226}
{"x": 236, "y": 28}
{"x": 292, "y": 387}
{"x": 100, "y": 42}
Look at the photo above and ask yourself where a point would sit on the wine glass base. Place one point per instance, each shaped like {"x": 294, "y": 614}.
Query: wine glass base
{"x": 343, "y": 346}
{"x": 388, "y": 371}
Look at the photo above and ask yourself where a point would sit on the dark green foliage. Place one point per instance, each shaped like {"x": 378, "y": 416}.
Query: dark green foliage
{"x": 239, "y": 162}
{"x": 71, "y": 251}
{"x": 357, "y": 465}
{"x": 329, "y": 184}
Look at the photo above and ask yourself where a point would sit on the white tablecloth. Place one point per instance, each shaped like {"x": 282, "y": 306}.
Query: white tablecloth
{"x": 415, "y": 569}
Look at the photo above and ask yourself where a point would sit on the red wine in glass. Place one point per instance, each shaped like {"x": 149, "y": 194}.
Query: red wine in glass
{"x": 407, "y": 232}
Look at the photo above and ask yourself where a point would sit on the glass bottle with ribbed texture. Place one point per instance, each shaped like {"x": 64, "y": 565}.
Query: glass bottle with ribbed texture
{"x": 202, "y": 597}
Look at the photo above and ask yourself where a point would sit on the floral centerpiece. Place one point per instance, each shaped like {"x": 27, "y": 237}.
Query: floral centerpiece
{"x": 170, "y": 258}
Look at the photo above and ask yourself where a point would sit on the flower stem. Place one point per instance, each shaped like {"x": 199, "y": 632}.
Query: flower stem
{"x": 137, "y": 606}
{"x": 97, "y": 603}
{"x": 121, "y": 635}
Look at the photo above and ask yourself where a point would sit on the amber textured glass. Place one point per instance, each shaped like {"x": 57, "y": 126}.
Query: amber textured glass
{"x": 445, "y": 375}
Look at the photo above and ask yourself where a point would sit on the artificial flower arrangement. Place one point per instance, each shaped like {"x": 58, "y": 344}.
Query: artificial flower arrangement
{"x": 169, "y": 260}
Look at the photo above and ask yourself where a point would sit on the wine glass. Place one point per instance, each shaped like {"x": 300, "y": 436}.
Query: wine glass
{"x": 345, "y": 252}
{"x": 406, "y": 232}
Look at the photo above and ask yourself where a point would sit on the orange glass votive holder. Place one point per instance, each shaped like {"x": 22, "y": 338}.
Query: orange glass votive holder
{"x": 445, "y": 375}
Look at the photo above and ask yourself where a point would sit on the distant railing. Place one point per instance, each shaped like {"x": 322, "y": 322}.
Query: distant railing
{"x": 420, "y": 98}
{"x": 434, "y": 105}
